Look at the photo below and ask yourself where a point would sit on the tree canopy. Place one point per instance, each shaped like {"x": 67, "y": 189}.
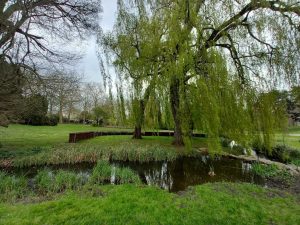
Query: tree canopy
{"x": 212, "y": 59}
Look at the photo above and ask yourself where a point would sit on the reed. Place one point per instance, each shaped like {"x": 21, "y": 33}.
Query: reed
{"x": 12, "y": 187}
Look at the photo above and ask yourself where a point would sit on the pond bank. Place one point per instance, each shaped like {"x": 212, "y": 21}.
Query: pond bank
{"x": 293, "y": 169}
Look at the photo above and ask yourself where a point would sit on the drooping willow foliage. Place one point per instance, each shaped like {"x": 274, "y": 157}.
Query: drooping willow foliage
{"x": 207, "y": 65}
{"x": 222, "y": 107}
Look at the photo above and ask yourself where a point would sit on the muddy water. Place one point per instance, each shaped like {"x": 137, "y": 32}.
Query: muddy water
{"x": 173, "y": 176}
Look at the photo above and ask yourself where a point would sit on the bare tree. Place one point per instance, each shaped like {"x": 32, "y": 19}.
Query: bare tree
{"x": 64, "y": 89}
{"x": 26, "y": 24}
{"x": 27, "y": 29}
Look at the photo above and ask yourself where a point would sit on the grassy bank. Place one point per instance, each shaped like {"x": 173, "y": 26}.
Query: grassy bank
{"x": 108, "y": 147}
{"x": 130, "y": 204}
{"x": 28, "y": 145}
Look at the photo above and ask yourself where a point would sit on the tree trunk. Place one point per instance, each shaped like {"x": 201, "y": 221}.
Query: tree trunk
{"x": 60, "y": 114}
{"x": 137, "y": 132}
{"x": 175, "y": 104}
{"x": 69, "y": 116}
{"x": 139, "y": 120}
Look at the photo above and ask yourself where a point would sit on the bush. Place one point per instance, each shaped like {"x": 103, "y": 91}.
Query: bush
{"x": 280, "y": 153}
{"x": 42, "y": 120}
{"x": 52, "y": 120}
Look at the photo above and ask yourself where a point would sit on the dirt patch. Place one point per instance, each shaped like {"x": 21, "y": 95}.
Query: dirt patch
{"x": 281, "y": 187}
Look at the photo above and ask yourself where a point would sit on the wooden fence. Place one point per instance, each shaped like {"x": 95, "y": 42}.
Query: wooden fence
{"x": 75, "y": 137}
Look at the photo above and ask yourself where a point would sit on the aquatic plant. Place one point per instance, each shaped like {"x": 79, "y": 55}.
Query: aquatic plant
{"x": 44, "y": 181}
{"x": 126, "y": 175}
{"x": 101, "y": 173}
{"x": 12, "y": 187}
{"x": 67, "y": 180}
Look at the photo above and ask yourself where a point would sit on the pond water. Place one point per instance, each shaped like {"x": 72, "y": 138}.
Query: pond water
{"x": 172, "y": 176}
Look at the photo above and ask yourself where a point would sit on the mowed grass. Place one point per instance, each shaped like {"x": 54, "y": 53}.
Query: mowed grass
{"x": 22, "y": 136}
{"x": 21, "y": 140}
{"x": 28, "y": 145}
{"x": 218, "y": 203}
{"x": 291, "y": 138}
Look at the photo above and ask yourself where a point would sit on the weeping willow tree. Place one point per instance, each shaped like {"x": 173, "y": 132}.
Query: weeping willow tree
{"x": 134, "y": 52}
{"x": 216, "y": 59}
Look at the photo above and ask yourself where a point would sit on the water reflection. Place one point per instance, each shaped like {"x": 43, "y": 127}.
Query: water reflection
{"x": 172, "y": 176}
{"x": 178, "y": 175}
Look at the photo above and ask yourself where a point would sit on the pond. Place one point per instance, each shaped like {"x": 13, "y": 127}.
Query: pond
{"x": 173, "y": 176}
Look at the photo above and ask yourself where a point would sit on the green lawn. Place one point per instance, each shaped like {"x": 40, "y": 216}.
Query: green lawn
{"x": 22, "y": 136}
{"x": 291, "y": 138}
{"x": 219, "y": 203}
{"x": 29, "y": 145}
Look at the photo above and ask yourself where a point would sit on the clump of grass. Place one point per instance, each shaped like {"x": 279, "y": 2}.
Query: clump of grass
{"x": 101, "y": 173}
{"x": 66, "y": 180}
{"x": 271, "y": 171}
{"x": 44, "y": 181}
{"x": 48, "y": 182}
{"x": 12, "y": 187}
{"x": 126, "y": 175}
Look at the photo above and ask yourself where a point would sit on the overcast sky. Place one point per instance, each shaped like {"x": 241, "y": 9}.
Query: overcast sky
{"x": 90, "y": 66}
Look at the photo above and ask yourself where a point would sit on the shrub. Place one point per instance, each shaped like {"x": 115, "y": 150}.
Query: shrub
{"x": 281, "y": 153}
{"x": 52, "y": 120}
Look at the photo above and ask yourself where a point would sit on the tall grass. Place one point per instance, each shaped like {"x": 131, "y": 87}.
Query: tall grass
{"x": 104, "y": 173}
{"x": 47, "y": 182}
{"x": 12, "y": 187}
{"x": 71, "y": 154}
{"x": 126, "y": 175}
{"x": 101, "y": 173}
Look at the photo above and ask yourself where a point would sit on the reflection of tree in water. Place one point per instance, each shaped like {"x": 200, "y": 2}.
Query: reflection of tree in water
{"x": 159, "y": 177}
{"x": 183, "y": 172}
